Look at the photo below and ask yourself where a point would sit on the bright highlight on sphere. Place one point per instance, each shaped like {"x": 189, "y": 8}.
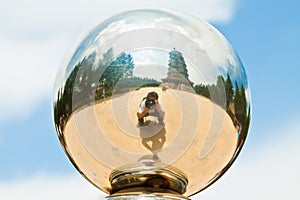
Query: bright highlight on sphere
{"x": 148, "y": 89}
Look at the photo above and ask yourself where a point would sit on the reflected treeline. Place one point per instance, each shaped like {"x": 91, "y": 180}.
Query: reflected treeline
{"x": 94, "y": 79}
{"x": 232, "y": 98}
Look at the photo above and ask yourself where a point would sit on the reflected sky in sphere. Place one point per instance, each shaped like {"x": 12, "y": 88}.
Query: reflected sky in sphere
{"x": 202, "y": 109}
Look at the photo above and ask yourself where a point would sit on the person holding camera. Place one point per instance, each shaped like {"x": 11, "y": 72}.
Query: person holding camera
{"x": 150, "y": 106}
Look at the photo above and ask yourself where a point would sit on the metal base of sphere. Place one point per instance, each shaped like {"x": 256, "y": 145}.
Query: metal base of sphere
{"x": 147, "y": 182}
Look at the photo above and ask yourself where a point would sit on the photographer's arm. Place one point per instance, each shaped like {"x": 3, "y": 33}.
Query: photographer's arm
{"x": 142, "y": 114}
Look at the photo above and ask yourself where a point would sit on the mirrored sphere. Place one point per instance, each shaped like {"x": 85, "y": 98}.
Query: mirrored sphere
{"x": 152, "y": 90}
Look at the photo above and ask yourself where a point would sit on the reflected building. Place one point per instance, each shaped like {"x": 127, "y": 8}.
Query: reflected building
{"x": 105, "y": 94}
{"x": 202, "y": 86}
{"x": 178, "y": 77}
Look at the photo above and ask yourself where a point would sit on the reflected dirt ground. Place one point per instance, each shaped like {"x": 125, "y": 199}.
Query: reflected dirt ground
{"x": 202, "y": 88}
{"x": 208, "y": 148}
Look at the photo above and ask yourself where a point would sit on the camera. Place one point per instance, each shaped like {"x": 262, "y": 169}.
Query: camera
{"x": 149, "y": 103}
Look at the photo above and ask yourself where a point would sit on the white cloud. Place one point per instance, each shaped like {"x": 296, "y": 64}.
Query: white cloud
{"x": 27, "y": 74}
{"x": 35, "y": 37}
{"x": 272, "y": 174}
{"x": 49, "y": 187}
{"x": 51, "y": 15}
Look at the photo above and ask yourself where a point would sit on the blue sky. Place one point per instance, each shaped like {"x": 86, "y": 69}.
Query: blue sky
{"x": 35, "y": 38}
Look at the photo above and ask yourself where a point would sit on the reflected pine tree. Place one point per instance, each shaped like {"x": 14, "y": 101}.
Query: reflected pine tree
{"x": 229, "y": 91}
{"x": 218, "y": 93}
{"x": 202, "y": 89}
{"x": 111, "y": 73}
{"x": 94, "y": 79}
{"x": 231, "y": 97}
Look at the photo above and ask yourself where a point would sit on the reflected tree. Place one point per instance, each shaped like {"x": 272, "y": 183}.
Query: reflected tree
{"x": 121, "y": 67}
{"x": 217, "y": 92}
{"x": 202, "y": 89}
{"x": 93, "y": 79}
{"x": 231, "y": 97}
{"x": 228, "y": 91}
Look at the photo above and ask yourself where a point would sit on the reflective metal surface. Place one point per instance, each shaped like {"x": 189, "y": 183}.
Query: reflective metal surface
{"x": 152, "y": 89}
{"x": 150, "y": 194}
{"x": 148, "y": 176}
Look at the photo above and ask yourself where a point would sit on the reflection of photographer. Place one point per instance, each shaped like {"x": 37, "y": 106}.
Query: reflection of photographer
{"x": 151, "y": 107}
